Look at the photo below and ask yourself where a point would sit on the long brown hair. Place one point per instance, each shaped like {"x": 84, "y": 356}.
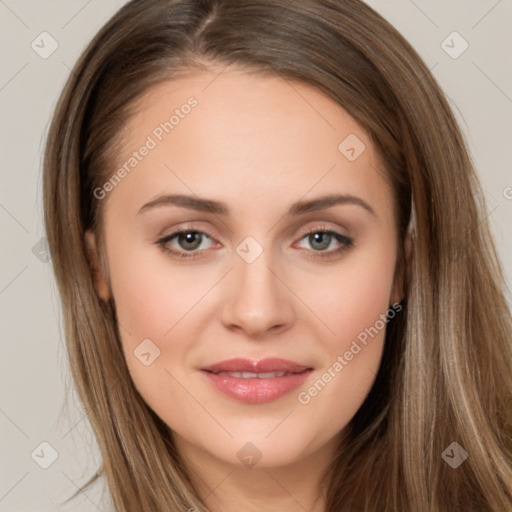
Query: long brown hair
{"x": 445, "y": 373}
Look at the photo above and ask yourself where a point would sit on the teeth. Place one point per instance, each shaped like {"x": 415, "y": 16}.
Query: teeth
{"x": 250, "y": 375}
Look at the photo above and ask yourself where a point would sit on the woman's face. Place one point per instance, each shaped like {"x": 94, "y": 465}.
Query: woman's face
{"x": 270, "y": 274}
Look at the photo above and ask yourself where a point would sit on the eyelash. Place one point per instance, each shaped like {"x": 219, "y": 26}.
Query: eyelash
{"x": 346, "y": 242}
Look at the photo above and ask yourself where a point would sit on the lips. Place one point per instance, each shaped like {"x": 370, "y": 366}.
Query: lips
{"x": 262, "y": 366}
{"x": 256, "y": 381}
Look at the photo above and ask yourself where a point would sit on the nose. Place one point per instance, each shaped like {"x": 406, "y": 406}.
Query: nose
{"x": 259, "y": 299}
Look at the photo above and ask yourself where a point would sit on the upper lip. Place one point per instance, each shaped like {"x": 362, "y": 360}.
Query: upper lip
{"x": 261, "y": 366}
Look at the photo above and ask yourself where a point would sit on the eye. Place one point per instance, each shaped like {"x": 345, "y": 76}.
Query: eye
{"x": 321, "y": 239}
{"x": 188, "y": 240}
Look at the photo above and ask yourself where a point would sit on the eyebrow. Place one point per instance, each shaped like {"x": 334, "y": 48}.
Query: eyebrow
{"x": 219, "y": 208}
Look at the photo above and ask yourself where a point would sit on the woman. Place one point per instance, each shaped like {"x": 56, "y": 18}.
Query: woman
{"x": 336, "y": 336}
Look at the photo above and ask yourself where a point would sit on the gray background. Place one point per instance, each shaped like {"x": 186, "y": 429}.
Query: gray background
{"x": 33, "y": 369}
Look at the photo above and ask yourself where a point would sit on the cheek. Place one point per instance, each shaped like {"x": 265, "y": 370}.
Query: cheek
{"x": 154, "y": 301}
{"x": 161, "y": 301}
{"x": 352, "y": 303}
{"x": 351, "y": 297}
{"x": 152, "y": 294}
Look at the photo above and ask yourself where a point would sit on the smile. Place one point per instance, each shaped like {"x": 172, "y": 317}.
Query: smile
{"x": 269, "y": 380}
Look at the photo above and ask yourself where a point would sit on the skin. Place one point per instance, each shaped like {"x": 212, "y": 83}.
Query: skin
{"x": 258, "y": 144}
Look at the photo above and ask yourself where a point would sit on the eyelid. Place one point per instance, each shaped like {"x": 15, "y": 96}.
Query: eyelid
{"x": 323, "y": 226}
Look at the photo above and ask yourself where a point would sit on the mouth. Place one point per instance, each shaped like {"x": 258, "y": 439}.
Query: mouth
{"x": 250, "y": 375}
{"x": 256, "y": 382}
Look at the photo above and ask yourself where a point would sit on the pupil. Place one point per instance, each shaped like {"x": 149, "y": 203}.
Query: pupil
{"x": 188, "y": 238}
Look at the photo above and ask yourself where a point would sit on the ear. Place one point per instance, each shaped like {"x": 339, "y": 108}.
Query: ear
{"x": 102, "y": 288}
{"x": 400, "y": 277}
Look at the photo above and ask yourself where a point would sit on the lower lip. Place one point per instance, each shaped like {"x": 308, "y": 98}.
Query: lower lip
{"x": 257, "y": 391}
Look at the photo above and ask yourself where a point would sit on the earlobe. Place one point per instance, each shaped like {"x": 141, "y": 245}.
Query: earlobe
{"x": 102, "y": 288}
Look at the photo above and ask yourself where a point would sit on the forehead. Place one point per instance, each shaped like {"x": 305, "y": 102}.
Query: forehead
{"x": 247, "y": 106}
{"x": 233, "y": 132}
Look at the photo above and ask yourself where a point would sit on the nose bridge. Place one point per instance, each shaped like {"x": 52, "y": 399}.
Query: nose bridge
{"x": 258, "y": 300}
